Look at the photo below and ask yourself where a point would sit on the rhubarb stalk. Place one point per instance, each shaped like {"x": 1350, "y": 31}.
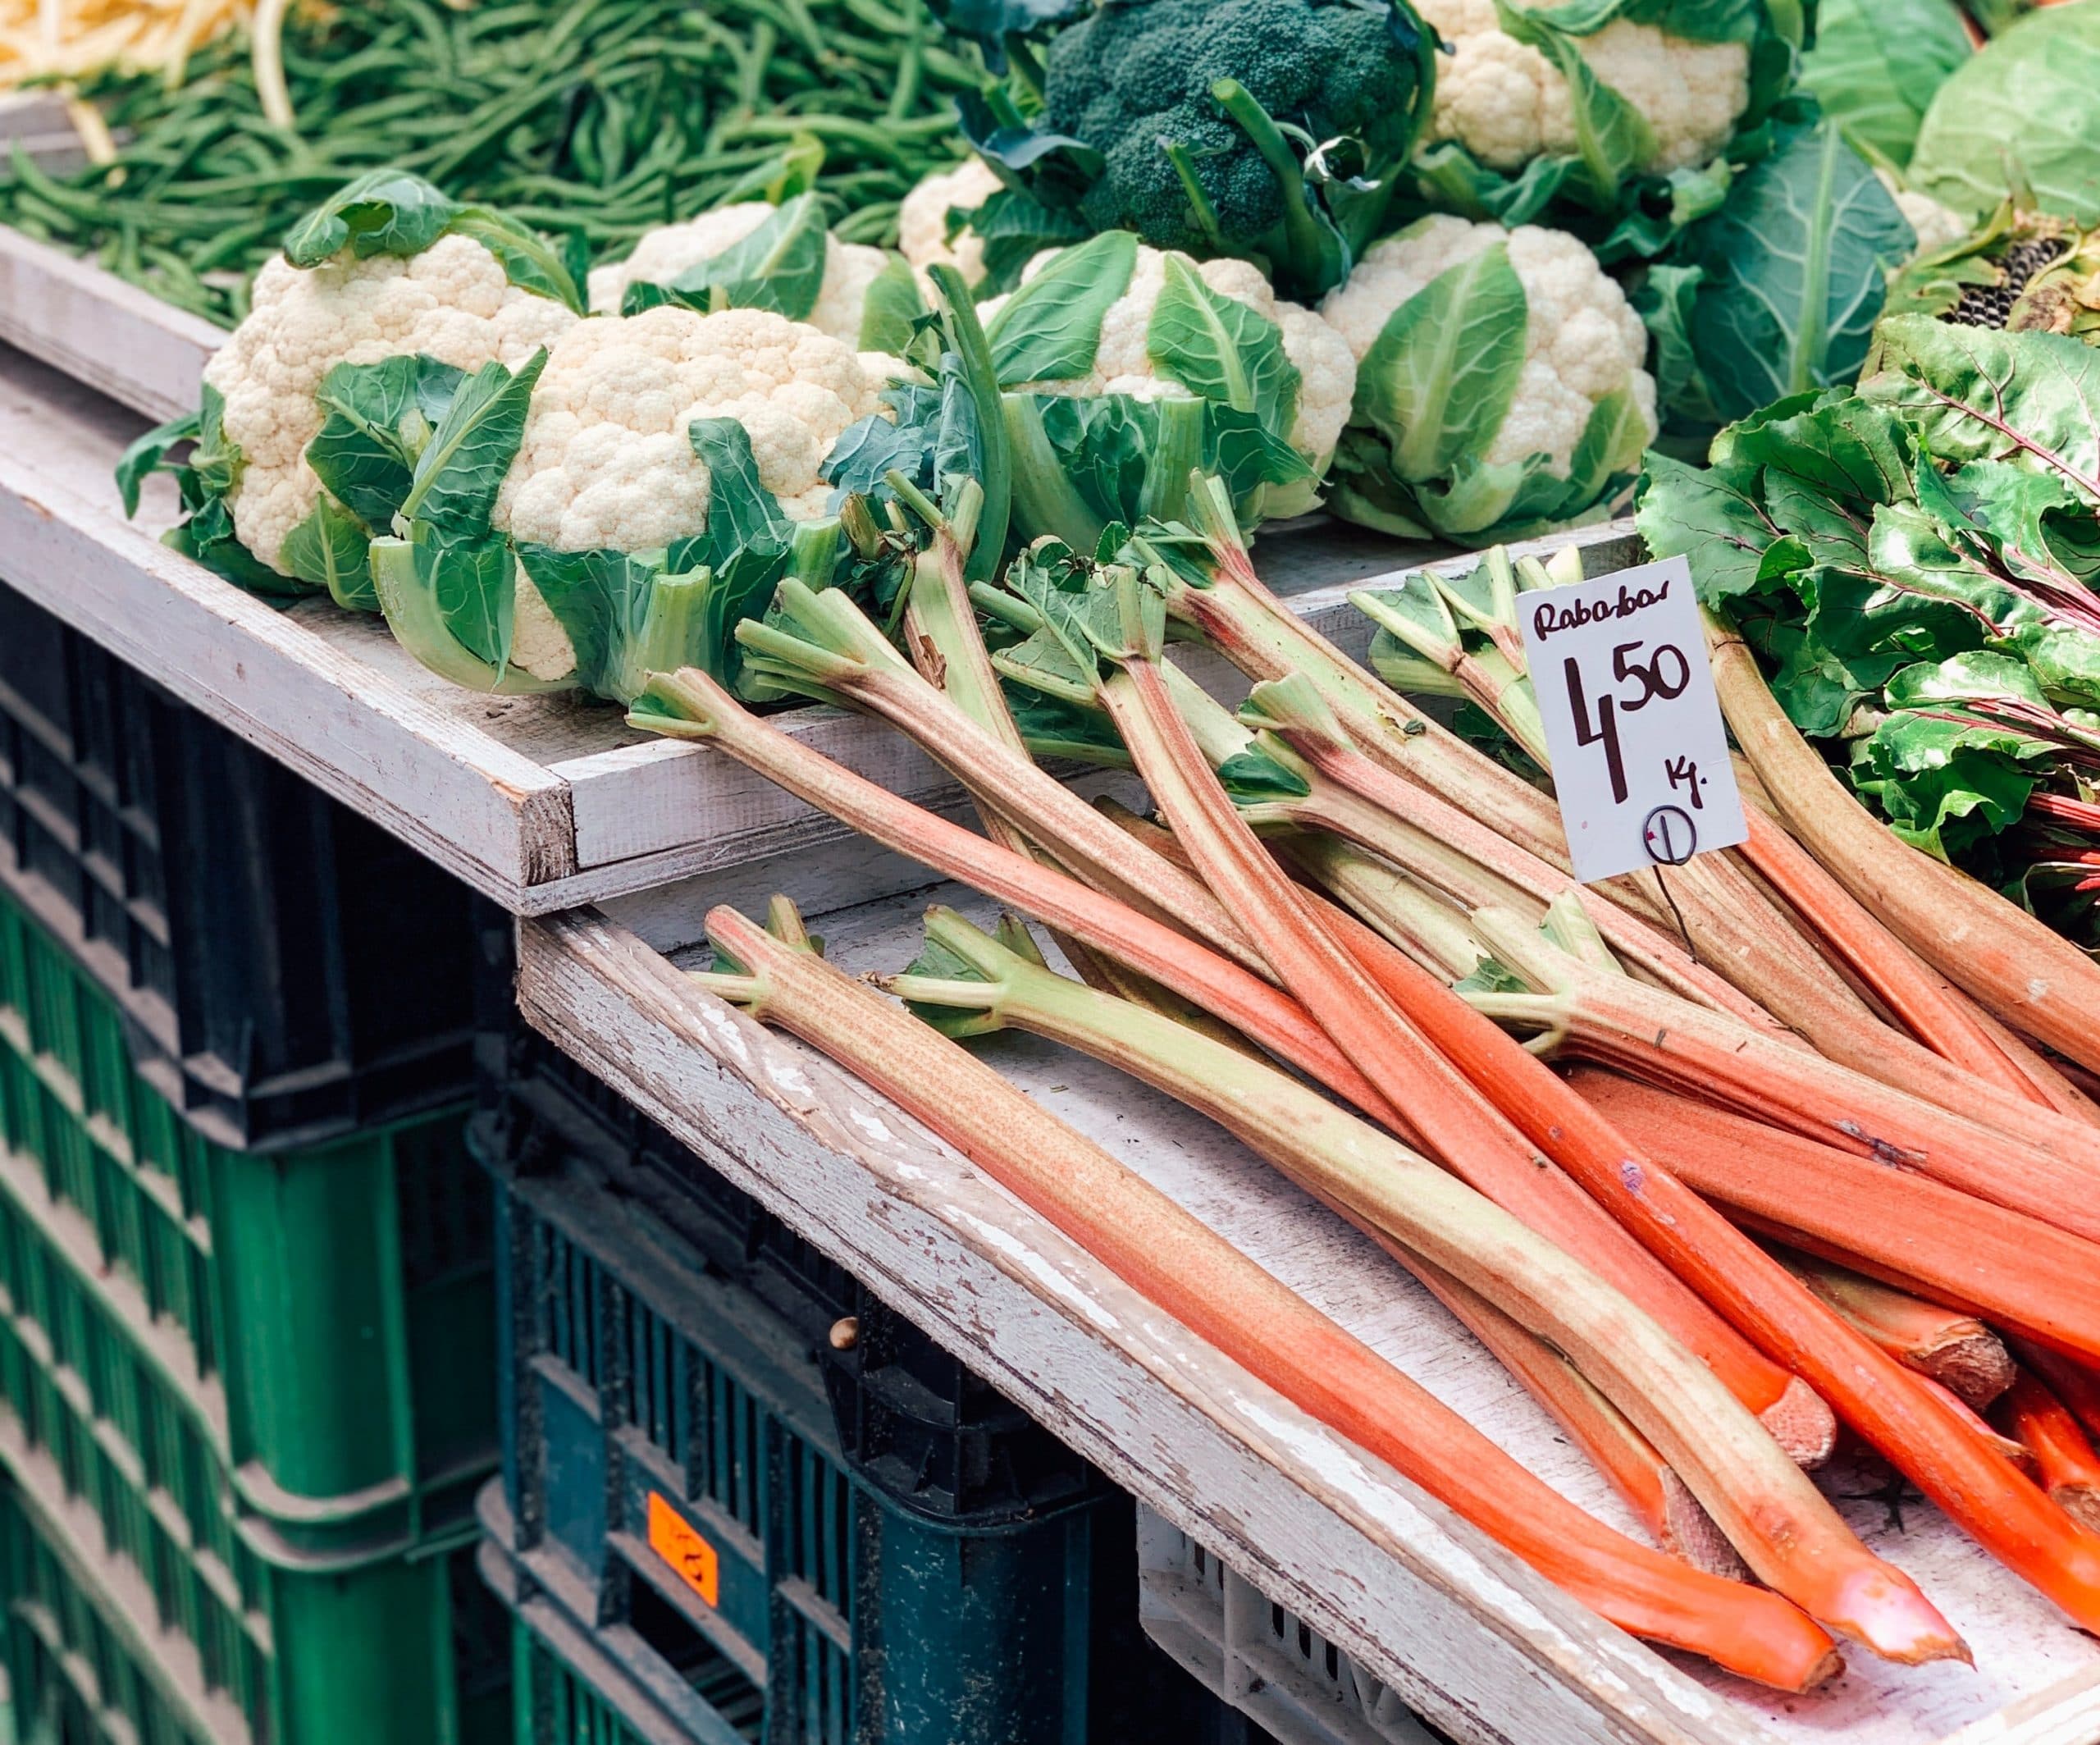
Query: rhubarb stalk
{"x": 1956, "y": 1349}
{"x": 1106, "y": 631}
{"x": 689, "y": 705}
{"x": 2020, "y": 1154}
{"x": 821, "y": 644}
{"x": 2065, "y": 1463}
{"x": 1772, "y": 1514}
{"x": 2035, "y": 980}
{"x": 1916, "y": 997}
{"x": 2009, "y": 1270}
{"x": 1926, "y": 1437}
{"x": 1157, "y": 1249}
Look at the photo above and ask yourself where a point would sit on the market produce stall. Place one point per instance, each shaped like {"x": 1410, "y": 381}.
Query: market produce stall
{"x": 1605, "y": 1121}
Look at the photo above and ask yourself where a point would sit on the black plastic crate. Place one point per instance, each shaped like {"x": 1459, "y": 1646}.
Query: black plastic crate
{"x": 679, "y": 1527}
{"x": 908, "y": 1417}
{"x": 288, "y": 969}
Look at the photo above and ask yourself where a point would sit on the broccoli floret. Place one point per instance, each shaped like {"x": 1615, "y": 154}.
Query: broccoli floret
{"x": 1137, "y": 80}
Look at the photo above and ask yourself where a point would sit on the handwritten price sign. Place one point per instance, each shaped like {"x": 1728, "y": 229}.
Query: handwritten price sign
{"x": 1639, "y": 753}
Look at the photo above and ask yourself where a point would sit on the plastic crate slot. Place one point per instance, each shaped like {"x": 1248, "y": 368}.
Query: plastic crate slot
{"x": 293, "y": 971}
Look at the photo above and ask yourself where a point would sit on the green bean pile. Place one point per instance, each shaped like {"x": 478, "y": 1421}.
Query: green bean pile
{"x": 593, "y": 118}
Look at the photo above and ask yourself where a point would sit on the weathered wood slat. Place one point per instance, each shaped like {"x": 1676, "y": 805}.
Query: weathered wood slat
{"x": 120, "y": 340}
{"x": 1361, "y": 1555}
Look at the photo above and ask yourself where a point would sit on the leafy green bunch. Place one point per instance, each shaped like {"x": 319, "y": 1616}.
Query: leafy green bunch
{"x": 1273, "y": 130}
{"x": 1775, "y": 293}
{"x": 1071, "y": 466}
{"x": 1914, "y": 562}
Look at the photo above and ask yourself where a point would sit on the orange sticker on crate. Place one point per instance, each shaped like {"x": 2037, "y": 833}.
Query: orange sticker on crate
{"x": 673, "y": 1538}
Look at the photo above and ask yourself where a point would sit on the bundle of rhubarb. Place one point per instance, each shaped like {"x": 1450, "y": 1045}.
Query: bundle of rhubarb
{"x": 1788, "y": 1144}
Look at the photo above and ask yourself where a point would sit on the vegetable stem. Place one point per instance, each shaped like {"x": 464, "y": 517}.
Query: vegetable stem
{"x": 1222, "y": 1296}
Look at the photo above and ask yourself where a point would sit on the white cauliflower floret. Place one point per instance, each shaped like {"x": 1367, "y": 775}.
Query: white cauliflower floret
{"x": 1582, "y": 340}
{"x": 1507, "y": 103}
{"x": 1326, "y": 367}
{"x": 451, "y": 302}
{"x": 922, "y": 222}
{"x": 1935, "y": 227}
{"x": 605, "y": 462}
{"x": 663, "y": 253}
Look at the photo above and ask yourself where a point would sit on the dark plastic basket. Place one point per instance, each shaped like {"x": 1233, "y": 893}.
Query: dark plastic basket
{"x": 290, "y": 971}
{"x": 679, "y": 1525}
{"x": 907, "y": 1417}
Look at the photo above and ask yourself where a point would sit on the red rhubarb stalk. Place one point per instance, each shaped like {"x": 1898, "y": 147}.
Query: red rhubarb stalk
{"x": 2011, "y": 1271}
{"x": 1914, "y": 996}
{"x": 2020, "y": 1154}
{"x": 2076, "y": 1384}
{"x": 689, "y": 705}
{"x": 1918, "y": 1433}
{"x": 1956, "y": 1349}
{"x": 1801, "y": 1424}
{"x": 823, "y": 644}
{"x": 1175, "y": 1261}
{"x": 1773, "y": 1516}
{"x": 1876, "y": 1605}
{"x": 1294, "y": 711}
{"x": 2065, "y": 1463}
{"x": 1660, "y": 1500}
{"x": 2035, "y": 980}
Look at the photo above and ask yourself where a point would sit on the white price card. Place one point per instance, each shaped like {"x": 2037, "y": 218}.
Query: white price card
{"x": 1640, "y": 751}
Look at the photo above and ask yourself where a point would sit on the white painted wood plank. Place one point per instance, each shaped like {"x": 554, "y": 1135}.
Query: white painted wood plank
{"x": 469, "y": 803}
{"x": 768, "y": 1114}
{"x": 120, "y": 340}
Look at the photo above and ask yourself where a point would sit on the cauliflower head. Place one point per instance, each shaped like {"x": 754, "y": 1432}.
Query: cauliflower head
{"x": 1506, "y": 103}
{"x": 451, "y": 302}
{"x": 605, "y": 462}
{"x": 1935, "y": 227}
{"x": 922, "y": 222}
{"x": 1582, "y": 339}
{"x": 1123, "y": 363}
{"x": 663, "y": 253}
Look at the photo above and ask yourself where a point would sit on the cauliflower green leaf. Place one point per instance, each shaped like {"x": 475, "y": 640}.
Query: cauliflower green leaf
{"x": 391, "y": 212}
{"x": 2024, "y": 111}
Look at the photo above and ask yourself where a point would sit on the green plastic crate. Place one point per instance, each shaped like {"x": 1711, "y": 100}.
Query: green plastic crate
{"x": 555, "y": 1705}
{"x": 317, "y": 1325}
{"x": 406, "y": 1651}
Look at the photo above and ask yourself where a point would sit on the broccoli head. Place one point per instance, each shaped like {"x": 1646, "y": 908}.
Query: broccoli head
{"x": 1204, "y": 113}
